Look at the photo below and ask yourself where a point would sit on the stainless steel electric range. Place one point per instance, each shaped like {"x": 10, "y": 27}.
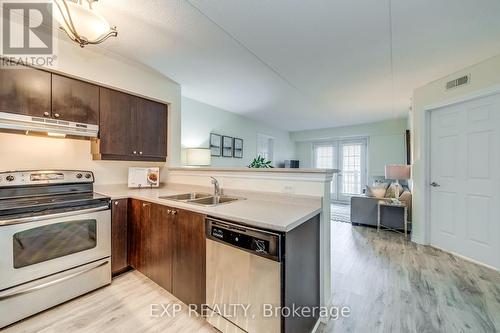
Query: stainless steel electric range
{"x": 55, "y": 240}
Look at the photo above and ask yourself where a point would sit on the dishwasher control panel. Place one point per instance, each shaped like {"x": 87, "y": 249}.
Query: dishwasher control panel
{"x": 259, "y": 242}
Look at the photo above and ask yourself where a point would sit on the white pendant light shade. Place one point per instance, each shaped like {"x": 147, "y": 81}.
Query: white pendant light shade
{"x": 82, "y": 23}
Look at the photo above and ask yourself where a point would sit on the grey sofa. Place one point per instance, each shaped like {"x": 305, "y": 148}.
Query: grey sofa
{"x": 364, "y": 211}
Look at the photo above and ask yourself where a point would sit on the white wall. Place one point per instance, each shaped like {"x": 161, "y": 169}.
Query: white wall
{"x": 386, "y": 143}
{"x": 27, "y": 152}
{"x": 484, "y": 75}
{"x": 199, "y": 120}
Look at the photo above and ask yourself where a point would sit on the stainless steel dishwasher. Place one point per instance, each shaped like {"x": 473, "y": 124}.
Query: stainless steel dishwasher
{"x": 243, "y": 270}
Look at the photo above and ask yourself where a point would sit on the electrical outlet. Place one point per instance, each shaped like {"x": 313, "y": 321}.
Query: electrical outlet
{"x": 288, "y": 189}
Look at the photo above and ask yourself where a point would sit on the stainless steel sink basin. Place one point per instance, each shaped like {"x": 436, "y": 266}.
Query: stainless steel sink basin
{"x": 187, "y": 196}
{"x": 213, "y": 201}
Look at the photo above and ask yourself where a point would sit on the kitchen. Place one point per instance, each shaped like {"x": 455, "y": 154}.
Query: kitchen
{"x": 71, "y": 225}
{"x": 249, "y": 166}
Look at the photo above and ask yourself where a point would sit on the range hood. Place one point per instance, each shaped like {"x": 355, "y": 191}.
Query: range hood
{"x": 50, "y": 126}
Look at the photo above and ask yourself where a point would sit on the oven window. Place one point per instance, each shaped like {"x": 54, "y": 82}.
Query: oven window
{"x": 53, "y": 241}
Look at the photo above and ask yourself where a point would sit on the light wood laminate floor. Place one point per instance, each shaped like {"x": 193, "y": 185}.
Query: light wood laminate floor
{"x": 124, "y": 306}
{"x": 393, "y": 285}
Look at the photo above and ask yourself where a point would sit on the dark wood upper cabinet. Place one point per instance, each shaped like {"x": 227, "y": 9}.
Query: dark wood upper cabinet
{"x": 119, "y": 233}
{"x": 131, "y": 128}
{"x": 151, "y": 128}
{"x": 116, "y": 123}
{"x": 188, "y": 283}
{"x": 25, "y": 91}
{"x": 74, "y": 100}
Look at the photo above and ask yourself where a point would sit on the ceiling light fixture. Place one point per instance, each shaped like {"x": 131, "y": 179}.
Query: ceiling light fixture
{"x": 82, "y": 24}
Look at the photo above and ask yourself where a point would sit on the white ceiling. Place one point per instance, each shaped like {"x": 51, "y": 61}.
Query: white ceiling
{"x": 299, "y": 64}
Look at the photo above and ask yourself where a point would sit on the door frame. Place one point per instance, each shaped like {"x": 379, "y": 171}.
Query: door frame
{"x": 424, "y": 209}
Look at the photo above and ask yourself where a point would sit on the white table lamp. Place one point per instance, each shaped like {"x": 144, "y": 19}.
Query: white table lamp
{"x": 397, "y": 172}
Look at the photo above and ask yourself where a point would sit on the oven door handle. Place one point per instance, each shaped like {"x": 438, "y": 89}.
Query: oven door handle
{"x": 51, "y": 283}
{"x": 53, "y": 216}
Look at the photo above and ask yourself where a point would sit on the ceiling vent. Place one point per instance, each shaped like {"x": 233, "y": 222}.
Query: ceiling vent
{"x": 458, "y": 82}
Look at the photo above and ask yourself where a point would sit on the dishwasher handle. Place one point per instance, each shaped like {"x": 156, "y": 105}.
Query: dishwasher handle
{"x": 259, "y": 242}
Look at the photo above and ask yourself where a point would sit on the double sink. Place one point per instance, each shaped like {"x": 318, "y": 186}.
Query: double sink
{"x": 200, "y": 198}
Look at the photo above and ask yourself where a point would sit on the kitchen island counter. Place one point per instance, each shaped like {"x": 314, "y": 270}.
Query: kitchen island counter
{"x": 277, "y": 212}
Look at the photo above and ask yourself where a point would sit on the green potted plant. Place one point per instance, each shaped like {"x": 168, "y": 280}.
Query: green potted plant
{"x": 260, "y": 162}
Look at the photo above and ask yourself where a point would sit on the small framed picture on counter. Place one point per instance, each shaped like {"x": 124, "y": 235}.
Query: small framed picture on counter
{"x": 238, "y": 148}
{"x": 227, "y": 146}
{"x": 215, "y": 144}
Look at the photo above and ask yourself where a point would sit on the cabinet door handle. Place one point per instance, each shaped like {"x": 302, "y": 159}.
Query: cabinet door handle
{"x": 169, "y": 211}
{"x": 145, "y": 204}
{"x": 46, "y": 114}
{"x": 57, "y": 115}
{"x": 140, "y": 153}
{"x": 135, "y": 152}
{"x": 174, "y": 212}
{"x": 116, "y": 203}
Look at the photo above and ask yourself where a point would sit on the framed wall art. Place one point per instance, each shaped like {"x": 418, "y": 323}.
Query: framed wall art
{"x": 215, "y": 144}
{"x": 227, "y": 146}
{"x": 238, "y": 148}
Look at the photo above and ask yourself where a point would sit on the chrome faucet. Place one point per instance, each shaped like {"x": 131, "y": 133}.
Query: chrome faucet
{"x": 217, "y": 191}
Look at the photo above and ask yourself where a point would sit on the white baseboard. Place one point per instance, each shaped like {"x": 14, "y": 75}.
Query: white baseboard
{"x": 466, "y": 258}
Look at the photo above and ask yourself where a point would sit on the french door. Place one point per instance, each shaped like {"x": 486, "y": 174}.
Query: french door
{"x": 349, "y": 156}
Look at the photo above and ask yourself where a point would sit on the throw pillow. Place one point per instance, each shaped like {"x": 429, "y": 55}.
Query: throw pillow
{"x": 376, "y": 190}
{"x": 394, "y": 191}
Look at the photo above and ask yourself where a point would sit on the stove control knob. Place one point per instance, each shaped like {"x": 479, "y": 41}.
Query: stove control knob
{"x": 9, "y": 178}
{"x": 88, "y": 175}
{"x": 79, "y": 175}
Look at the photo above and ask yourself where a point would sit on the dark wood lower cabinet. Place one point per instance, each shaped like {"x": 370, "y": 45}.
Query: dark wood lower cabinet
{"x": 119, "y": 236}
{"x": 189, "y": 260}
{"x": 160, "y": 229}
{"x": 151, "y": 228}
{"x": 137, "y": 239}
{"x": 168, "y": 246}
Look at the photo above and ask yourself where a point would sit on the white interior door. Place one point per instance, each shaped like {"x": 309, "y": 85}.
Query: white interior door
{"x": 464, "y": 179}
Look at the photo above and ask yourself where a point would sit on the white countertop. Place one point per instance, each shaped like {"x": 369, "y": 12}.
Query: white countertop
{"x": 277, "y": 212}
{"x": 258, "y": 170}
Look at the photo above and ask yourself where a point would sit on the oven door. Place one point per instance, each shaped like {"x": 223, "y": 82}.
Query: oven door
{"x": 33, "y": 248}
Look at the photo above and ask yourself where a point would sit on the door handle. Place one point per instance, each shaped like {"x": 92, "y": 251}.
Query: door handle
{"x": 434, "y": 184}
